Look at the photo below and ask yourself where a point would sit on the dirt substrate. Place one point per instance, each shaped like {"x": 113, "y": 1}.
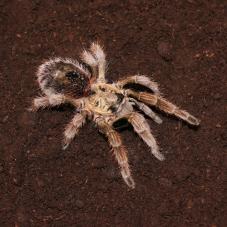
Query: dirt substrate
{"x": 183, "y": 45}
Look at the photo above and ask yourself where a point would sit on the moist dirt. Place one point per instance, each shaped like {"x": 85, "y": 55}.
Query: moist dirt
{"x": 183, "y": 46}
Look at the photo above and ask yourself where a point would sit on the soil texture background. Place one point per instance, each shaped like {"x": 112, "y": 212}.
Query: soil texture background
{"x": 183, "y": 46}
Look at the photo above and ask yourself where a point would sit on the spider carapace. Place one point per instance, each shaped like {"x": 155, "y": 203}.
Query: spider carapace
{"x": 84, "y": 86}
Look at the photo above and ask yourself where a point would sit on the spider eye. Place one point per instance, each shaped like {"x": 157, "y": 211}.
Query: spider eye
{"x": 72, "y": 75}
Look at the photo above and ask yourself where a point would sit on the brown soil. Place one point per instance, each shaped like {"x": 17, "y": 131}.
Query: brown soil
{"x": 184, "y": 46}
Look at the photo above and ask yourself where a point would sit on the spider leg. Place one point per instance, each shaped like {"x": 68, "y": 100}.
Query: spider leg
{"x": 164, "y": 105}
{"x": 47, "y": 101}
{"x": 118, "y": 150}
{"x": 96, "y": 58}
{"x": 143, "y": 130}
{"x": 55, "y": 100}
{"x": 89, "y": 59}
{"x": 150, "y": 113}
{"x": 100, "y": 56}
{"x": 142, "y": 80}
{"x": 72, "y": 129}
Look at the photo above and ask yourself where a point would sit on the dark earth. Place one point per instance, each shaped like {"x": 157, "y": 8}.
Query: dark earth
{"x": 183, "y": 46}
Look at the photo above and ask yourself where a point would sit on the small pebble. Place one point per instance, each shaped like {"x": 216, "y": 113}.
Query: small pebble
{"x": 79, "y": 203}
{"x": 218, "y": 125}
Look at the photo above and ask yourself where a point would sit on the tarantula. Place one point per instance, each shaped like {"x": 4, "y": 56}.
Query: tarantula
{"x": 84, "y": 86}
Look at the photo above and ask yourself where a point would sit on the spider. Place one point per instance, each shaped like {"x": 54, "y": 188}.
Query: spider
{"x": 84, "y": 86}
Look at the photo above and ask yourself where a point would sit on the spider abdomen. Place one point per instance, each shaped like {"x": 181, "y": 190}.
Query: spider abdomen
{"x": 64, "y": 76}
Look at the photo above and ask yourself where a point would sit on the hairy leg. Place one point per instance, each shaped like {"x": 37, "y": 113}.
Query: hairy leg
{"x": 72, "y": 129}
{"x": 164, "y": 105}
{"x": 143, "y": 130}
{"x": 96, "y": 58}
{"x": 89, "y": 59}
{"x": 118, "y": 150}
{"x": 147, "y": 111}
{"x": 47, "y": 101}
{"x": 99, "y": 54}
{"x": 55, "y": 100}
{"x": 142, "y": 80}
